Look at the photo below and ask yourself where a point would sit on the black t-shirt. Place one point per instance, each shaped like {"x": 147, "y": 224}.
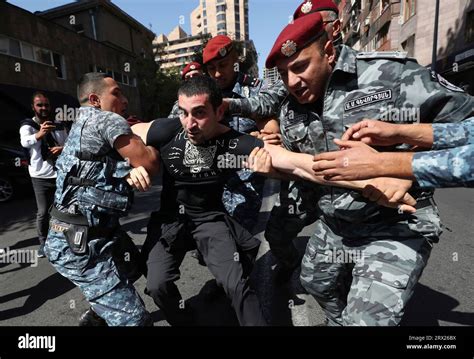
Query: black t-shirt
{"x": 199, "y": 172}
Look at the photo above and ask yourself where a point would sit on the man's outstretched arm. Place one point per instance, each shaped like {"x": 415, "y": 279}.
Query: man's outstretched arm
{"x": 388, "y": 192}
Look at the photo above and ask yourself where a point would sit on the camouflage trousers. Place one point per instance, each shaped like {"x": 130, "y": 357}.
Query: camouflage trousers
{"x": 108, "y": 291}
{"x": 242, "y": 197}
{"x": 368, "y": 281}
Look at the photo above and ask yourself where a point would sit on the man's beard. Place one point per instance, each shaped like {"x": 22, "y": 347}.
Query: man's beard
{"x": 42, "y": 116}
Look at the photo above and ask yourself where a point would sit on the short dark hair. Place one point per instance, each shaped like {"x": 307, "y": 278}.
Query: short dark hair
{"x": 321, "y": 41}
{"x": 202, "y": 85}
{"x": 89, "y": 83}
{"x": 36, "y": 94}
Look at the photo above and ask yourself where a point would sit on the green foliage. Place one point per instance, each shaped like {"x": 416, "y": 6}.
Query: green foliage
{"x": 147, "y": 87}
{"x": 168, "y": 85}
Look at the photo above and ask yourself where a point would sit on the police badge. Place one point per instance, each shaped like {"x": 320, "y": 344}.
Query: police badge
{"x": 289, "y": 48}
{"x": 306, "y": 7}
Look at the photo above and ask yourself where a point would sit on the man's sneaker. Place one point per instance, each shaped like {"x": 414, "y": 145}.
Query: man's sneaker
{"x": 91, "y": 319}
{"x": 41, "y": 251}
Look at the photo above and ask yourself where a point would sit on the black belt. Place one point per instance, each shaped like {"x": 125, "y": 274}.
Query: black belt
{"x": 80, "y": 220}
{"x": 386, "y": 213}
{"x": 77, "y": 219}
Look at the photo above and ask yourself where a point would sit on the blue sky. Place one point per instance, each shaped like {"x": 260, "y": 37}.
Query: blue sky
{"x": 267, "y": 17}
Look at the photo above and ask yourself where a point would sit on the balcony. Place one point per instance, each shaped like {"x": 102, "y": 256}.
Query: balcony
{"x": 383, "y": 19}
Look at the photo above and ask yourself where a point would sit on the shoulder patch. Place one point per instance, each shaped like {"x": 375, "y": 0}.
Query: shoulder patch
{"x": 390, "y": 55}
{"x": 250, "y": 81}
{"x": 445, "y": 83}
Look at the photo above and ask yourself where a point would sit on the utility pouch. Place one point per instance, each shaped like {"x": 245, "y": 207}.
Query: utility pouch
{"x": 77, "y": 238}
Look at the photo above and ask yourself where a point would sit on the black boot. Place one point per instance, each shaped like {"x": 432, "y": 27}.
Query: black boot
{"x": 91, "y": 319}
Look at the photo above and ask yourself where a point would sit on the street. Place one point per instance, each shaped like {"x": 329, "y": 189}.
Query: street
{"x": 38, "y": 296}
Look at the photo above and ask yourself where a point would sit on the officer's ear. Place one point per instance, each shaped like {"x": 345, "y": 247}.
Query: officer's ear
{"x": 94, "y": 100}
{"x": 330, "y": 52}
{"x": 336, "y": 29}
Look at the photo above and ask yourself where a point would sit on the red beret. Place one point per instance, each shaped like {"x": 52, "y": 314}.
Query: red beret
{"x": 190, "y": 67}
{"x": 217, "y": 48}
{"x": 311, "y": 6}
{"x": 295, "y": 37}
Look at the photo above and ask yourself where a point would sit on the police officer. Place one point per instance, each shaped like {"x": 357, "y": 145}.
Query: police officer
{"x": 331, "y": 89}
{"x": 295, "y": 204}
{"x": 449, "y": 164}
{"x": 92, "y": 193}
{"x": 266, "y": 103}
{"x": 243, "y": 194}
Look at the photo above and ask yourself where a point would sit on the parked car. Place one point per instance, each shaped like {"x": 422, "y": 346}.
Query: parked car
{"x": 14, "y": 176}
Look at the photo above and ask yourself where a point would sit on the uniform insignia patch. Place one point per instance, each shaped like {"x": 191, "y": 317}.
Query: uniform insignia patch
{"x": 223, "y": 52}
{"x": 307, "y": 7}
{"x": 289, "y": 48}
{"x": 368, "y": 99}
{"x": 445, "y": 83}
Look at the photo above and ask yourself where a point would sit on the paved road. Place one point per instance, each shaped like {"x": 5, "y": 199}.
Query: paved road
{"x": 37, "y": 296}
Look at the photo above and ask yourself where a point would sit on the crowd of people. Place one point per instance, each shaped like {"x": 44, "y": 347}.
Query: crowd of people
{"x": 365, "y": 184}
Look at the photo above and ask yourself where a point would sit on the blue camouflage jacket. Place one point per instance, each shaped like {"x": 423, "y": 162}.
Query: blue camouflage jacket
{"x": 89, "y": 157}
{"x": 385, "y": 86}
{"x": 452, "y": 162}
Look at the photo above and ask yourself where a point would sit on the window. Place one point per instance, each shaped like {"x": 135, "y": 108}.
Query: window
{"x": 3, "y": 44}
{"x": 409, "y": 46}
{"x": 469, "y": 32}
{"x": 27, "y": 51}
{"x": 43, "y": 56}
{"x": 220, "y": 17}
{"x": 220, "y": 8}
{"x": 58, "y": 65}
{"x": 15, "y": 49}
{"x": 221, "y": 26}
{"x": 409, "y": 8}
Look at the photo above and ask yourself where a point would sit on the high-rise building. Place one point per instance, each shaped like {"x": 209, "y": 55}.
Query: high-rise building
{"x": 271, "y": 75}
{"x": 408, "y": 25}
{"x": 176, "y": 49}
{"x": 221, "y": 17}
{"x": 208, "y": 19}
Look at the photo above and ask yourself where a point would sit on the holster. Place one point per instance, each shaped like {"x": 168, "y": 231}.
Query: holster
{"x": 77, "y": 238}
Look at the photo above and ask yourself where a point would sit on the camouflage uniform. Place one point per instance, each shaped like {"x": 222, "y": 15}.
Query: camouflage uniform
{"x": 174, "y": 111}
{"x": 452, "y": 165}
{"x": 393, "y": 248}
{"x": 91, "y": 186}
{"x": 243, "y": 192}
